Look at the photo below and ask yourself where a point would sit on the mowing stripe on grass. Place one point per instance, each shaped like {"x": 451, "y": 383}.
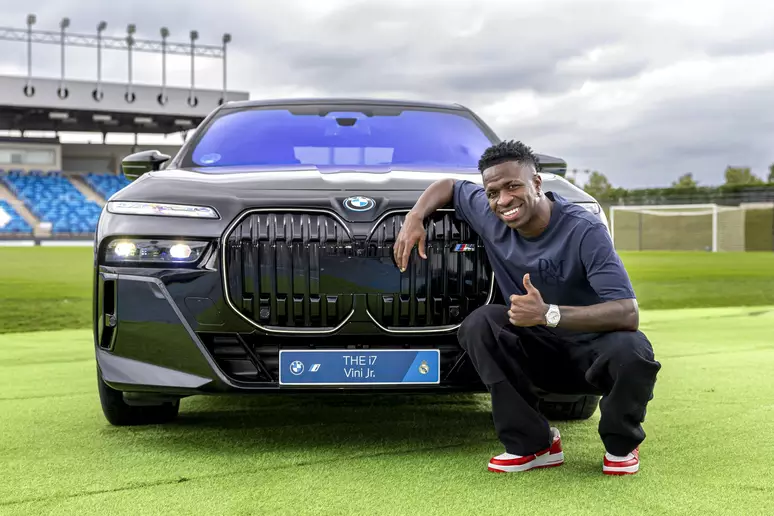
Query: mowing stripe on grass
{"x": 38, "y": 295}
{"x": 706, "y": 451}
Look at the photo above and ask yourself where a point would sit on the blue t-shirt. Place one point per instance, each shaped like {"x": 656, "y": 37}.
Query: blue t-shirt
{"x": 572, "y": 263}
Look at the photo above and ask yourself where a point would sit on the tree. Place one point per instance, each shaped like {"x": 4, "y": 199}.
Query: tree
{"x": 597, "y": 185}
{"x": 771, "y": 173}
{"x": 741, "y": 176}
{"x": 685, "y": 181}
{"x": 572, "y": 176}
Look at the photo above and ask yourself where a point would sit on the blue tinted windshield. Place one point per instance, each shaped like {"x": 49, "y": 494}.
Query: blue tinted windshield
{"x": 401, "y": 138}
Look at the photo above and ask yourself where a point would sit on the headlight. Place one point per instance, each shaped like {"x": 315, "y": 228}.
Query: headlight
{"x": 145, "y": 251}
{"x": 160, "y": 209}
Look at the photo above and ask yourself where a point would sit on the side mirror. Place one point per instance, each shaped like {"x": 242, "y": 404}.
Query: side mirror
{"x": 553, "y": 165}
{"x": 135, "y": 165}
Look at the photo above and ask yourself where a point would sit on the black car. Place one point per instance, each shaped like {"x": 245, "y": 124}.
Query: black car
{"x": 259, "y": 259}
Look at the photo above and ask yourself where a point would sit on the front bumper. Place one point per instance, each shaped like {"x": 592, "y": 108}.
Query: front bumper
{"x": 171, "y": 331}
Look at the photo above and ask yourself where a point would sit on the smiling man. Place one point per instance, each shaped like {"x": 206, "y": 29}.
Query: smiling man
{"x": 571, "y": 322}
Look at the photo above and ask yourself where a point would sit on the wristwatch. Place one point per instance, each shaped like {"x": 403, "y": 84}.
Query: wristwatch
{"x": 552, "y": 316}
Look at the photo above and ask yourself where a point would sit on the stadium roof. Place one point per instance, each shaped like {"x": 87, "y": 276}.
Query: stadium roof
{"x": 41, "y": 106}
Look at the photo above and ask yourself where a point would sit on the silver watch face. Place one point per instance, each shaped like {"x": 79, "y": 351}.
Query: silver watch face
{"x": 552, "y": 316}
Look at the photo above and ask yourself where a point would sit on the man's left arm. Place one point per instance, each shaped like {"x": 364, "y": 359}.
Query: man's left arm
{"x": 616, "y": 315}
{"x": 609, "y": 279}
{"x": 605, "y": 272}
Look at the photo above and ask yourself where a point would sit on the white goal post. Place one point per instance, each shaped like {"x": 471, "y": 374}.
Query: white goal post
{"x": 666, "y": 227}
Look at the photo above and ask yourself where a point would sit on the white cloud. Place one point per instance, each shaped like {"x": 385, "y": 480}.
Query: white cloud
{"x": 641, "y": 90}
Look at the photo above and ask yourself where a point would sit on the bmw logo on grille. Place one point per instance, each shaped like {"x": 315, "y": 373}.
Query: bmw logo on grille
{"x": 359, "y": 203}
{"x": 297, "y": 367}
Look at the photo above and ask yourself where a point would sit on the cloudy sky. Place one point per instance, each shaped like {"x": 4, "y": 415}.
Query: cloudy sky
{"x": 641, "y": 90}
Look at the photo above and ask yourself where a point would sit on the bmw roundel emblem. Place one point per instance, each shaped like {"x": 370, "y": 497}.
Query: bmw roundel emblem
{"x": 359, "y": 203}
{"x": 297, "y": 367}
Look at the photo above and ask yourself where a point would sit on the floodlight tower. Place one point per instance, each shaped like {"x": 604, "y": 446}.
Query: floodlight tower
{"x": 162, "y": 98}
{"x": 29, "y": 89}
{"x": 226, "y": 41}
{"x": 62, "y": 91}
{"x": 192, "y": 100}
{"x": 130, "y": 30}
{"x": 98, "y": 93}
{"x": 101, "y": 108}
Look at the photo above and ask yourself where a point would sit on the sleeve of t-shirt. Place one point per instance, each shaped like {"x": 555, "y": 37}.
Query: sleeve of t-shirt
{"x": 604, "y": 269}
{"x": 470, "y": 204}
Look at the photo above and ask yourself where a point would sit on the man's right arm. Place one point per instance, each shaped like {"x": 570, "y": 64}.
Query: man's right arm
{"x": 413, "y": 232}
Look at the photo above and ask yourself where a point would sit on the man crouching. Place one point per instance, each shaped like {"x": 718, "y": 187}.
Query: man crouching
{"x": 572, "y": 323}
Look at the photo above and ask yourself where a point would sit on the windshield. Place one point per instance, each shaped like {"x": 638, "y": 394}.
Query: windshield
{"x": 319, "y": 136}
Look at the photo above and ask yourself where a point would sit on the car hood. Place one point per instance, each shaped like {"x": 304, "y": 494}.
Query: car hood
{"x": 315, "y": 178}
{"x": 240, "y": 181}
{"x": 234, "y": 192}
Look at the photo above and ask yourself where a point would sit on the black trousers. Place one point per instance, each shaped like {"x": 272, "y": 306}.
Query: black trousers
{"x": 513, "y": 361}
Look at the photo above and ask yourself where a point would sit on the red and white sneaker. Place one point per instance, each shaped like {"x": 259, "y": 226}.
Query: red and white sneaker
{"x": 550, "y": 457}
{"x": 628, "y": 465}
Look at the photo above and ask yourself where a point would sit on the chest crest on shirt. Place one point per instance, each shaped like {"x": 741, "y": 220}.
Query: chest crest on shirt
{"x": 551, "y": 271}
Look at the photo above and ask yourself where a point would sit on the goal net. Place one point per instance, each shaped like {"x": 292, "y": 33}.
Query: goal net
{"x": 682, "y": 227}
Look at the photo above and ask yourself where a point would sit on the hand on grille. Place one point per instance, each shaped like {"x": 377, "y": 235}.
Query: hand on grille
{"x": 411, "y": 233}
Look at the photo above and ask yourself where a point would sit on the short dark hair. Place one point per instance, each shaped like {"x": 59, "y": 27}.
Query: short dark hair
{"x": 508, "y": 151}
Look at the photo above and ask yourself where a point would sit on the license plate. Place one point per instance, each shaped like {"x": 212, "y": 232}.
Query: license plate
{"x": 359, "y": 367}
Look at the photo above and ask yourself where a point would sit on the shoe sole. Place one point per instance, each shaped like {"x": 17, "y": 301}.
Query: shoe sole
{"x": 626, "y": 470}
{"x": 550, "y": 461}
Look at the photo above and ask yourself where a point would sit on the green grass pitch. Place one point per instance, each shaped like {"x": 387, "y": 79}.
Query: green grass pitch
{"x": 708, "y": 450}
{"x": 50, "y": 288}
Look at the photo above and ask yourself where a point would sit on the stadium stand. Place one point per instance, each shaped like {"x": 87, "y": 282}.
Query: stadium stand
{"x": 105, "y": 184}
{"x": 51, "y": 197}
{"x": 60, "y": 154}
{"x": 11, "y": 222}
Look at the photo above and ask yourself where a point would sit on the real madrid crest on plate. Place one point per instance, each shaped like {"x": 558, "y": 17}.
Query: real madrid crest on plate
{"x": 359, "y": 203}
{"x": 423, "y": 367}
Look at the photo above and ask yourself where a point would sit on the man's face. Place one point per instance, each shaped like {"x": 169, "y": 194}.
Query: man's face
{"x": 512, "y": 190}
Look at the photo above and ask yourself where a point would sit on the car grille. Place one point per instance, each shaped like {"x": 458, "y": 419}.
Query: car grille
{"x": 293, "y": 271}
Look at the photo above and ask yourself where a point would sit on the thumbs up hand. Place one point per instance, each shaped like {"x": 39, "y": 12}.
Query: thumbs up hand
{"x": 529, "y": 309}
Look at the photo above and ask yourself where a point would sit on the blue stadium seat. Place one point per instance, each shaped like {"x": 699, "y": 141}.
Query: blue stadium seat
{"x": 51, "y": 197}
{"x": 106, "y": 184}
{"x": 17, "y": 225}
